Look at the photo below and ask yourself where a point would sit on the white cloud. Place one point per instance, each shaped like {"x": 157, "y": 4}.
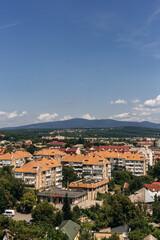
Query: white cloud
{"x": 141, "y": 112}
{"x": 23, "y": 113}
{"x": 153, "y": 102}
{"x": 88, "y": 116}
{"x": 66, "y": 117}
{"x": 46, "y": 117}
{"x": 10, "y": 115}
{"x": 118, "y": 101}
{"x": 2, "y": 113}
{"x": 13, "y": 114}
{"x": 121, "y": 115}
{"x": 135, "y": 101}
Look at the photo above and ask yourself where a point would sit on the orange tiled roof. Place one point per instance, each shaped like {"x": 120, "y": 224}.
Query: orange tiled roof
{"x": 17, "y": 155}
{"x": 31, "y": 166}
{"x": 86, "y": 185}
{"x": 6, "y": 156}
{"x": 49, "y": 152}
{"x": 73, "y": 158}
{"x": 94, "y": 160}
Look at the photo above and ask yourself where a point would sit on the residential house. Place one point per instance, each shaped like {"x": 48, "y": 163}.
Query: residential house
{"x": 146, "y": 194}
{"x": 71, "y": 229}
{"x": 122, "y": 232}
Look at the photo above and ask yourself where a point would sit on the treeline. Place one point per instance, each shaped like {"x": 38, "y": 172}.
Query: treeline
{"x": 116, "y": 132}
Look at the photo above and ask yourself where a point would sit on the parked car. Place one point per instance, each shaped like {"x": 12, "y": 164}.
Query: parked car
{"x": 9, "y": 213}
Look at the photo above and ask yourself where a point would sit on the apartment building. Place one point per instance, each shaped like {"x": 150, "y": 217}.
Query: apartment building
{"x": 114, "y": 158}
{"x": 136, "y": 163}
{"x": 42, "y": 173}
{"x": 94, "y": 167}
{"x": 16, "y": 158}
{"x": 90, "y": 166}
{"x": 50, "y": 153}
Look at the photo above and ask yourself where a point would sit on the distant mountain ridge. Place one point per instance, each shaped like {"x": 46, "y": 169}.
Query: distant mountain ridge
{"x": 84, "y": 123}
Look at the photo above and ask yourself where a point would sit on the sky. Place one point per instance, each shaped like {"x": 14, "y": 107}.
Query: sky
{"x": 79, "y": 59}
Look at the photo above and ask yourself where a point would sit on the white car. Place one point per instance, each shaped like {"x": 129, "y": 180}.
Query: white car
{"x": 9, "y": 213}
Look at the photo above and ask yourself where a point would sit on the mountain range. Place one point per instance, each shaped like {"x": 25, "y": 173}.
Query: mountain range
{"x": 84, "y": 123}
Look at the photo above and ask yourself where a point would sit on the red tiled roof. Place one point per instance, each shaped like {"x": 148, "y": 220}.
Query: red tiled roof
{"x": 118, "y": 148}
{"x": 55, "y": 143}
{"x": 153, "y": 187}
{"x": 71, "y": 150}
{"x": 145, "y": 143}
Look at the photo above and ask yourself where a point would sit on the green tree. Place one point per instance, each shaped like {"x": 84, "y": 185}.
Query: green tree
{"x": 114, "y": 237}
{"x": 85, "y": 235}
{"x": 59, "y": 218}
{"x": 139, "y": 228}
{"x": 44, "y": 212}
{"x": 156, "y": 233}
{"x": 48, "y": 232}
{"x": 120, "y": 177}
{"x": 28, "y": 201}
{"x": 135, "y": 184}
{"x": 69, "y": 175}
{"x": 156, "y": 209}
{"x": 76, "y": 213}
{"x": 137, "y": 234}
{"x": 4, "y": 203}
{"x": 156, "y": 170}
{"x": 66, "y": 209}
{"x": 31, "y": 149}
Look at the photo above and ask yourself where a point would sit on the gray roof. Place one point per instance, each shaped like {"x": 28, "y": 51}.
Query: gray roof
{"x": 70, "y": 228}
{"x": 120, "y": 229}
{"x": 62, "y": 192}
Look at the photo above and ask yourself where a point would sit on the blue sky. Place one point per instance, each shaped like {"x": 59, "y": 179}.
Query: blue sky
{"x": 93, "y": 59}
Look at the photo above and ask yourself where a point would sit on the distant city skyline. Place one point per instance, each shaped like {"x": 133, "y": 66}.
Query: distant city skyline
{"x": 79, "y": 59}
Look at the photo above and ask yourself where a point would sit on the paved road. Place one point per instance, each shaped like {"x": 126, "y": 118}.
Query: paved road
{"x": 20, "y": 216}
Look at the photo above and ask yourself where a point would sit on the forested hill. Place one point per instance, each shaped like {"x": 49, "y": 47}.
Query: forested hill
{"x": 84, "y": 123}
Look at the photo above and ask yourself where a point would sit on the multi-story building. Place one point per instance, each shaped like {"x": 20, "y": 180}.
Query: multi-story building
{"x": 52, "y": 153}
{"x": 136, "y": 163}
{"x": 94, "y": 167}
{"x": 89, "y": 166}
{"x": 42, "y": 173}
{"x": 16, "y": 158}
{"x": 76, "y": 161}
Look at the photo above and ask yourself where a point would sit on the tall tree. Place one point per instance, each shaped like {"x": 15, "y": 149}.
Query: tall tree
{"x": 69, "y": 175}
{"x": 66, "y": 209}
{"x": 28, "y": 201}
